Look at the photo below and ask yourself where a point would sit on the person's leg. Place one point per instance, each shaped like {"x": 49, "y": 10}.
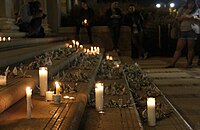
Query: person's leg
{"x": 139, "y": 46}
{"x": 180, "y": 45}
{"x": 78, "y": 27}
{"x": 112, "y": 31}
{"x": 190, "y": 43}
{"x": 89, "y": 30}
{"x": 117, "y": 35}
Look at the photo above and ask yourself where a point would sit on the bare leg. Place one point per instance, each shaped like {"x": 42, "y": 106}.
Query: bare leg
{"x": 179, "y": 47}
{"x": 191, "y": 44}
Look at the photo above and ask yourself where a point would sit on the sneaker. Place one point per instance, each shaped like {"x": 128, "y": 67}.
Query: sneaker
{"x": 170, "y": 66}
{"x": 189, "y": 66}
{"x": 146, "y": 55}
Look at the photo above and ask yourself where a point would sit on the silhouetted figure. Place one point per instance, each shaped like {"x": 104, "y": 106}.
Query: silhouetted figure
{"x": 30, "y": 19}
{"x": 114, "y": 18}
{"x": 134, "y": 20}
{"x": 85, "y": 19}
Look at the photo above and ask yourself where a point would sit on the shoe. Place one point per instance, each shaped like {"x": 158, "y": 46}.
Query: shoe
{"x": 170, "y": 66}
{"x": 146, "y": 55}
{"x": 189, "y": 66}
{"x": 140, "y": 57}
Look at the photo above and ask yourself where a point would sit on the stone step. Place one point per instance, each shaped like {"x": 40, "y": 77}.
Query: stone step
{"x": 18, "y": 55}
{"x": 28, "y": 42}
{"x": 45, "y": 115}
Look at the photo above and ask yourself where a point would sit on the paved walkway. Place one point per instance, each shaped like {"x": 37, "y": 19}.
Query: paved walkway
{"x": 180, "y": 85}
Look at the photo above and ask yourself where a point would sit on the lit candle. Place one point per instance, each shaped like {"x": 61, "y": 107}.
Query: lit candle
{"x": 57, "y": 87}
{"x": 43, "y": 78}
{"x": 99, "y": 96}
{"x": 70, "y": 46}
{"x": 77, "y": 44}
{"x": 117, "y": 65}
{"x": 85, "y": 21}
{"x": 28, "y": 101}
{"x": 111, "y": 58}
{"x": 151, "y": 111}
{"x": 107, "y": 57}
{"x": 81, "y": 46}
{"x": 74, "y": 42}
{"x": 85, "y": 50}
{"x": 4, "y": 39}
{"x": 98, "y": 50}
{"x": 67, "y": 45}
{"x": 92, "y": 48}
{"x": 9, "y": 38}
{"x": 3, "y": 80}
{"x": 49, "y": 95}
{"x": 0, "y": 39}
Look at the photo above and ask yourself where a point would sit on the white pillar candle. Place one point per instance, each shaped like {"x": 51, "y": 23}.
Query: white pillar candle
{"x": 85, "y": 21}
{"x": 43, "y": 78}
{"x": 98, "y": 50}
{"x": 99, "y": 96}
{"x": 3, "y": 80}
{"x": 74, "y": 42}
{"x": 111, "y": 58}
{"x": 4, "y": 39}
{"x": 107, "y": 57}
{"x": 81, "y": 46}
{"x": 92, "y": 49}
{"x": 9, "y": 38}
{"x": 151, "y": 115}
{"x": 77, "y": 44}
{"x": 57, "y": 88}
{"x": 29, "y": 102}
{"x": 49, "y": 95}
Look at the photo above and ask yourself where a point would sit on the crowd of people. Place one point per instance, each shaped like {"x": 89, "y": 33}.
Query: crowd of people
{"x": 31, "y": 16}
{"x": 114, "y": 18}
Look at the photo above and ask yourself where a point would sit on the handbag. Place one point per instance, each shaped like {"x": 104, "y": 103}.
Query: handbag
{"x": 174, "y": 33}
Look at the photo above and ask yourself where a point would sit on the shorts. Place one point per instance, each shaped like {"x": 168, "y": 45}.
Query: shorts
{"x": 188, "y": 35}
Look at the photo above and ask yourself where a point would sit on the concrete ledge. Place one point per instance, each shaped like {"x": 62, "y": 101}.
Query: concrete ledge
{"x": 15, "y": 56}
{"x": 28, "y": 42}
{"x": 12, "y": 94}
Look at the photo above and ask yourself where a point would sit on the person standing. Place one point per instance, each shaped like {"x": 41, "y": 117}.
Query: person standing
{"x": 85, "y": 19}
{"x": 134, "y": 20}
{"x": 114, "y": 18}
{"x": 187, "y": 34}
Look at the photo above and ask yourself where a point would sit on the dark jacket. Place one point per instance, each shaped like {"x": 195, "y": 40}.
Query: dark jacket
{"x": 134, "y": 18}
{"x": 113, "y": 21}
{"x": 86, "y": 14}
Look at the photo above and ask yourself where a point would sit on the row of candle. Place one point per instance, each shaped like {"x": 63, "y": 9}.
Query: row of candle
{"x": 99, "y": 89}
{"x": 92, "y": 51}
{"x": 5, "y": 39}
{"x": 109, "y": 58}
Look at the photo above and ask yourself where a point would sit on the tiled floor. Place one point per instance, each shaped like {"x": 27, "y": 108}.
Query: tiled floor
{"x": 180, "y": 85}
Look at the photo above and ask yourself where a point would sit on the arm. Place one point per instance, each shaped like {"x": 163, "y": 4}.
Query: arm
{"x": 25, "y": 14}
